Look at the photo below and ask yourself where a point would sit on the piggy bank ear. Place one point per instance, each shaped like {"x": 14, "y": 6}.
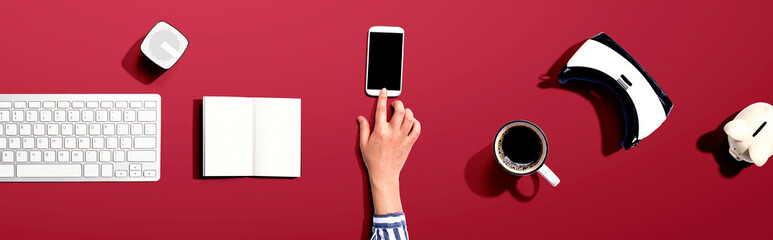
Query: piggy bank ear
{"x": 759, "y": 153}
{"x": 737, "y": 129}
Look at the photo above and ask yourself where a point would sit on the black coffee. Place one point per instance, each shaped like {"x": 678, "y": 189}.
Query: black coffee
{"x": 522, "y": 145}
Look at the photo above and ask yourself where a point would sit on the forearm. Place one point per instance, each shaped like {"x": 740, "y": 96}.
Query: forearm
{"x": 386, "y": 196}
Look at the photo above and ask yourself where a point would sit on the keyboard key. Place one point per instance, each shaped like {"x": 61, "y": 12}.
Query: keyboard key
{"x": 129, "y": 116}
{"x": 10, "y": 129}
{"x": 92, "y": 104}
{"x": 49, "y": 156}
{"x": 5, "y": 116}
{"x": 87, "y": 115}
{"x": 60, "y": 116}
{"x": 141, "y": 156}
{"x": 146, "y": 116}
{"x": 111, "y": 142}
{"x": 28, "y": 143}
{"x": 21, "y": 156}
{"x": 78, "y": 104}
{"x": 70, "y": 143}
{"x": 118, "y": 156}
{"x": 91, "y": 156}
{"x": 121, "y": 129}
{"x": 145, "y": 142}
{"x": 56, "y": 143}
{"x": 81, "y": 129}
{"x": 135, "y": 166}
{"x": 98, "y": 143}
{"x": 14, "y": 143}
{"x": 45, "y": 116}
{"x": 73, "y": 116}
{"x": 39, "y": 129}
{"x": 150, "y": 104}
{"x": 3, "y": 143}
{"x": 135, "y": 173}
{"x": 101, "y": 115}
{"x": 77, "y": 156}
{"x": 95, "y": 129}
{"x": 44, "y": 171}
{"x": 115, "y": 116}
{"x": 7, "y": 156}
{"x": 108, "y": 129}
{"x": 150, "y": 129}
{"x": 136, "y": 129}
{"x": 106, "y": 104}
{"x": 25, "y": 129}
{"x": 63, "y": 104}
{"x": 6, "y": 171}
{"x": 34, "y": 105}
{"x": 104, "y": 156}
{"x": 49, "y": 104}
{"x": 63, "y": 156}
{"x": 67, "y": 129}
{"x": 19, "y": 104}
{"x": 133, "y": 104}
{"x": 126, "y": 142}
{"x": 36, "y": 156}
{"x": 32, "y": 116}
{"x": 121, "y": 104}
{"x": 84, "y": 142}
{"x": 5, "y": 105}
{"x": 17, "y": 116}
{"x": 107, "y": 170}
{"x": 91, "y": 170}
{"x": 150, "y": 173}
{"x": 121, "y": 173}
{"x": 53, "y": 129}
{"x": 42, "y": 142}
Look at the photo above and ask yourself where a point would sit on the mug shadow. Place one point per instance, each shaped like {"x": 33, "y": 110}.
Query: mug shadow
{"x": 603, "y": 100}
{"x": 486, "y": 178}
{"x": 139, "y": 66}
{"x": 715, "y": 142}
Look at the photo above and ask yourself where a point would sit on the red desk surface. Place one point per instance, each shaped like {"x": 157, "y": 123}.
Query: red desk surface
{"x": 470, "y": 67}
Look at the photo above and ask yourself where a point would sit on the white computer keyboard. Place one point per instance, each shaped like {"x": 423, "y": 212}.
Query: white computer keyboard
{"x": 80, "y": 137}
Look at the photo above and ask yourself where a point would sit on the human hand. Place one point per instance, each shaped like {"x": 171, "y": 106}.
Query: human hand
{"x": 385, "y": 150}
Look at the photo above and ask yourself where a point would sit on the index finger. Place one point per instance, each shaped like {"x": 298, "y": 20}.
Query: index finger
{"x": 381, "y": 106}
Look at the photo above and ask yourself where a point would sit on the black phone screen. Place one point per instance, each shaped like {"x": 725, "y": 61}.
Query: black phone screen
{"x": 385, "y": 60}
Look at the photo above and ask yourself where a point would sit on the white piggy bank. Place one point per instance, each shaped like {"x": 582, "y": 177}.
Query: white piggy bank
{"x": 749, "y": 134}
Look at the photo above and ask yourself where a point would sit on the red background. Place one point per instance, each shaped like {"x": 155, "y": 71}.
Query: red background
{"x": 470, "y": 67}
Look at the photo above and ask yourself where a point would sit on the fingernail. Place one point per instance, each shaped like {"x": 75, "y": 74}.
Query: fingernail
{"x": 383, "y": 90}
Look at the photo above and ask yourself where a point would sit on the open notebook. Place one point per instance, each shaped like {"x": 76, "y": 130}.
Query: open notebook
{"x": 251, "y": 137}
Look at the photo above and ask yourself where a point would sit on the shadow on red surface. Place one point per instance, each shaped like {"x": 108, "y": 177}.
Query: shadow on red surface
{"x": 715, "y": 142}
{"x": 140, "y": 67}
{"x": 603, "y": 100}
{"x": 486, "y": 178}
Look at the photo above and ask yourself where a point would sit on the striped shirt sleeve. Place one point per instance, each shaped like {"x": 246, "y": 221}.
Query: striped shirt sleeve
{"x": 390, "y": 226}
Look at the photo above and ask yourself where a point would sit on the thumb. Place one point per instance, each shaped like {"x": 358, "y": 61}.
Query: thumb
{"x": 364, "y": 129}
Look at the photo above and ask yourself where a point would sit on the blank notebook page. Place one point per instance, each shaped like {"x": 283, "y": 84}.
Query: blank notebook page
{"x": 228, "y": 136}
{"x": 278, "y": 137}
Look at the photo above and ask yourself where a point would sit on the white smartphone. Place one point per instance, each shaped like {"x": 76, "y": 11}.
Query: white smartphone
{"x": 385, "y": 61}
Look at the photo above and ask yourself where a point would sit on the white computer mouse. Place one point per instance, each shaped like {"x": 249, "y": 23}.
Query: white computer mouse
{"x": 750, "y": 137}
{"x": 164, "y": 45}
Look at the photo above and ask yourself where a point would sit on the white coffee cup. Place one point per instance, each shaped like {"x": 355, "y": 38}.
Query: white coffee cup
{"x": 521, "y": 148}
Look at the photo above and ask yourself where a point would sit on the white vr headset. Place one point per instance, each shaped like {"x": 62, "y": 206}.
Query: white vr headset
{"x": 600, "y": 60}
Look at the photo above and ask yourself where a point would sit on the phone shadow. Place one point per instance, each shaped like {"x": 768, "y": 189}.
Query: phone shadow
{"x": 486, "y": 178}
{"x": 604, "y": 101}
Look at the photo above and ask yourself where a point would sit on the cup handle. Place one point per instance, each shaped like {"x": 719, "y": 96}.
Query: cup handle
{"x": 549, "y": 175}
